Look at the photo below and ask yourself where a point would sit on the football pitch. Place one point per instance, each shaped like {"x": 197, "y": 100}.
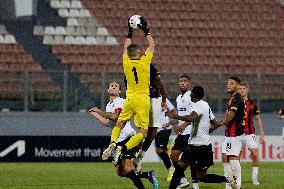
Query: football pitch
{"x": 103, "y": 176}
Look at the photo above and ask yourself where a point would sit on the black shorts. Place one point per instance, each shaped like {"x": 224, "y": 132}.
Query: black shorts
{"x": 201, "y": 155}
{"x": 162, "y": 138}
{"x": 181, "y": 142}
{"x": 129, "y": 154}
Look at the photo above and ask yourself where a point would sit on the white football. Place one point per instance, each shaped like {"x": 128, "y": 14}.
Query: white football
{"x": 134, "y": 21}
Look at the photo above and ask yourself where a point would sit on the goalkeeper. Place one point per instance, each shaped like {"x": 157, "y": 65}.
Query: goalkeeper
{"x": 137, "y": 74}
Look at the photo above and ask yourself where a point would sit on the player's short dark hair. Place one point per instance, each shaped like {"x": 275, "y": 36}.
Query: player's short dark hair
{"x": 198, "y": 92}
{"x": 236, "y": 79}
{"x": 132, "y": 50}
{"x": 185, "y": 76}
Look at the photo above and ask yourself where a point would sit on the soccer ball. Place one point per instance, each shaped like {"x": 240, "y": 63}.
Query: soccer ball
{"x": 134, "y": 21}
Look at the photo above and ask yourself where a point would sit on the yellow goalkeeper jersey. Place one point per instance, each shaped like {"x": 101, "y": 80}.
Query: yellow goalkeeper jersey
{"x": 137, "y": 73}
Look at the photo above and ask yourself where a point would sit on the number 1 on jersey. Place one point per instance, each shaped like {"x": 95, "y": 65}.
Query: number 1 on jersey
{"x": 135, "y": 74}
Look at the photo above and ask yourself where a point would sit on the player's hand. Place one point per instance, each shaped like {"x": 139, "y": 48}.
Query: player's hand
{"x": 94, "y": 114}
{"x": 176, "y": 128}
{"x": 130, "y": 30}
{"x": 170, "y": 114}
{"x": 261, "y": 139}
{"x": 144, "y": 26}
{"x": 164, "y": 106}
{"x": 165, "y": 125}
{"x": 179, "y": 129}
{"x": 94, "y": 109}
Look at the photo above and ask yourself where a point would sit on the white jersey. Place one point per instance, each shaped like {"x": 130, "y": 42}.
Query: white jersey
{"x": 164, "y": 118}
{"x": 116, "y": 106}
{"x": 200, "y": 128}
{"x": 184, "y": 107}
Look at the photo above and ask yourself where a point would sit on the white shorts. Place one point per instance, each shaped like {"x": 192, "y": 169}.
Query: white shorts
{"x": 155, "y": 112}
{"x": 232, "y": 146}
{"x": 250, "y": 141}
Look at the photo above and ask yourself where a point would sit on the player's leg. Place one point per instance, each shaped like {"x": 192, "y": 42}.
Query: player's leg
{"x": 226, "y": 164}
{"x": 154, "y": 123}
{"x": 179, "y": 171}
{"x": 114, "y": 136}
{"x": 255, "y": 164}
{"x": 151, "y": 133}
{"x": 233, "y": 154}
{"x": 252, "y": 146}
{"x": 180, "y": 145}
{"x": 161, "y": 142}
{"x": 203, "y": 156}
{"x": 127, "y": 165}
{"x": 141, "y": 109}
{"x": 151, "y": 176}
{"x": 124, "y": 116}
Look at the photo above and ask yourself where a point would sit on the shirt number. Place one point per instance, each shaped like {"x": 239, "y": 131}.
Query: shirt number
{"x": 135, "y": 74}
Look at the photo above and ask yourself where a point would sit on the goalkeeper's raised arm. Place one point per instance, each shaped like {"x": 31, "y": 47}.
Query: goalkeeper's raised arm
{"x": 128, "y": 38}
{"x": 144, "y": 27}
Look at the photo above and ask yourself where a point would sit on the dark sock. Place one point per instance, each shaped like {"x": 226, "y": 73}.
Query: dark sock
{"x": 193, "y": 171}
{"x": 212, "y": 178}
{"x": 166, "y": 159}
{"x": 178, "y": 174}
{"x": 151, "y": 134}
{"x": 144, "y": 175}
{"x": 176, "y": 166}
{"x": 135, "y": 179}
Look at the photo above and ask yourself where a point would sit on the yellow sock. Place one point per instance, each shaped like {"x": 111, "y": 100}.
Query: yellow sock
{"x": 115, "y": 134}
{"x": 134, "y": 141}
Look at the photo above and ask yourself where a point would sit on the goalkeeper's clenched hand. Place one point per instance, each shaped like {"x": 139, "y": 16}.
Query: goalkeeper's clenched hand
{"x": 144, "y": 26}
{"x": 130, "y": 30}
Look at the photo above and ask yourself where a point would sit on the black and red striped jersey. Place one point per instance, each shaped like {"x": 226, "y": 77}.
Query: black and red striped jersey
{"x": 251, "y": 110}
{"x": 235, "y": 127}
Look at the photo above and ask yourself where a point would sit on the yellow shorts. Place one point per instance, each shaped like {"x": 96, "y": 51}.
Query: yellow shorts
{"x": 138, "y": 106}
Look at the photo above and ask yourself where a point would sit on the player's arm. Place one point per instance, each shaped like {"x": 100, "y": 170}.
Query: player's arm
{"x": 188, "y": 118}
{"x": 161, "y": 88}
{"x": 128, "y": 38}
{"x": 126, "y": 44}
{"x": 151, "y": 44}
{"x": 214, "y": 125}
{"x": 236, "y": 103}
{"x": 144, "y": 27}
{"x": 108, "y": 115}
{"x": 172, "y": 121}
{"x": 180, "y": 128}
{"x": 260, "y": 127}
{"x": 227, "y": 118}
{"x": 100, "y": 118}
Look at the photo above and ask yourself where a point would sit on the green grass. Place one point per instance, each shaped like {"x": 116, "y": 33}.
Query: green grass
{"x": 103, "y": 176}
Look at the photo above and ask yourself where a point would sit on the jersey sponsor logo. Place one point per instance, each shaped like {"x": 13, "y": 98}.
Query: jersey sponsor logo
{"x": 182, "y": 109}
{"x": 20, "y": 145}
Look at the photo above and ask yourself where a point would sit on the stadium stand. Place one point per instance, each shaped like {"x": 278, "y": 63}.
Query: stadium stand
{"x": 206, "y": 37}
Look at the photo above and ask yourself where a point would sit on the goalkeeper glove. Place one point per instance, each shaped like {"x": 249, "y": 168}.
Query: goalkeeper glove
{"x": 143, "y": 26}
{"x": 130, "y": 30}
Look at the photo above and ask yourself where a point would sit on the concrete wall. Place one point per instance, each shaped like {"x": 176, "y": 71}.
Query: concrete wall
{"x": 81, "y": 124}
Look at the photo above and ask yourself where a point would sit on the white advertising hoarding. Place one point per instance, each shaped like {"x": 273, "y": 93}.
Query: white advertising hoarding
{"x": 272, "y": 150}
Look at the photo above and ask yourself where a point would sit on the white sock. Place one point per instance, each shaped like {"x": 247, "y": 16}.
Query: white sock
{"x": 195, "y": 185}
{"x": 254, "y": 172}
{"x": 236, "y": 168}
{"x": 228, "y": 171}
